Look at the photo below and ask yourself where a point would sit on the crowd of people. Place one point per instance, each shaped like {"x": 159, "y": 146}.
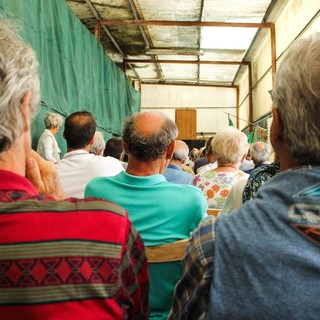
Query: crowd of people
{"x": 74, "y": 229}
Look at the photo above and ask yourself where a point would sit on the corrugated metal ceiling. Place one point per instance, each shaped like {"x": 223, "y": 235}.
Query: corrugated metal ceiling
{"x": 152, "y": 31}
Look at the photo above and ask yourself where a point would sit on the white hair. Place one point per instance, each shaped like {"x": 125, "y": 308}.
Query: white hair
{"x": 98, "y": 143}
{"x": 18, "y": 75}
{"x": 229, "y": 145}
{"x": 53, "y": 120}
{"x": 260, "y": 151}
{"x": 296, "y": 95}
{"x": 181, "y": 151}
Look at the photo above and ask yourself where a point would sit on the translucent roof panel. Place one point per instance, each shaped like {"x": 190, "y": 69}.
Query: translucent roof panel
{"x": 226, "y": 38}
{"x": 174, "y": 37}
{"x": 217, "y": 73}
{"x": 187, "y": 10}
{"x": 145, "y": 70}
{"x": 223, "y": 55}
{"x": 235, "y": 10}
{"x": 180, "y": 71}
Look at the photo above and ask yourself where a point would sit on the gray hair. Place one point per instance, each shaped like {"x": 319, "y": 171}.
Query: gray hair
{"x": 151, "y": 146}
{"x": 181, "y": 151}
{"x": 296, "y": 95}
{"x": 260, "y": 151}
{"x": 18, "y": 75}
{"x": 98, "y": 143}
{"x": 208, "y": 147}
{"x": 53, "y": 120}
{"x": 229, "y": 145}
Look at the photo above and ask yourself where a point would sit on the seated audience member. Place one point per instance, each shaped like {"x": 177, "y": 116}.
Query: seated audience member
{"x": 47, "y": 144}
{"x": 246, "y": 189}
{"x": 98, "y": 145}
{"x": 66, "y": 259}
{"x": 230, "y": 147}
{"x": 188, "y": 165}
{"x": 187, "y": 168}
{"x": 113, "y": 148}
{"x": 234, "y": 200}
{"x": 174, "y": 172}
{"x": 260, "y": 153}
{"x": 202, "y": 159}
{"x": 78, "y": 166}
{"x": 194, "y": 153}
{"x": 212, "y": 160}
{"x": 263, "y": 261}
{"x": 161, "y": 211}
{"x": 257, "y": 178}
{"x": 247, "y": 163}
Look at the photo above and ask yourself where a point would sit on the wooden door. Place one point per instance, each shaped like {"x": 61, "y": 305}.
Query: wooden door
{"x": 186, "y": 121}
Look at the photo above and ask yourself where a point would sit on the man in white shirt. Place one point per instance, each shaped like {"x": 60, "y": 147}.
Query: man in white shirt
{"x": 78, "y": 166}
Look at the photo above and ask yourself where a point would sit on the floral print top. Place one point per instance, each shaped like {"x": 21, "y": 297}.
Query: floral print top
{"x": 217, "y": 185}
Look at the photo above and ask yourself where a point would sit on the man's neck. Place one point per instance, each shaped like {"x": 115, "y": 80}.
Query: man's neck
{"x": 87, "y": 148}
{"x": 285, "y": 158}
{"x": 176, "y": 162}
{"x": 148, "y": 168}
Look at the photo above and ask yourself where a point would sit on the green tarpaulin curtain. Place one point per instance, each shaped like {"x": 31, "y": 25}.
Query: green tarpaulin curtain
{"x": 75, "y": 72}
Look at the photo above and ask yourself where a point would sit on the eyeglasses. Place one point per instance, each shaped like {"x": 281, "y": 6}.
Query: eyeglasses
{"x": 271, "y": 95}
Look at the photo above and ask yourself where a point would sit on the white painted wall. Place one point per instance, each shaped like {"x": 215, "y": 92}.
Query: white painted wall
{"x": 211, "y": 103}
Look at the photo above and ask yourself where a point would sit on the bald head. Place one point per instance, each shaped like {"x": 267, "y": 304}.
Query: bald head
{"x": 149, "y": 123}
{"x": 260, "y": 152}
{"x": 147, "y": 135}
{"x": 181, "y": 151}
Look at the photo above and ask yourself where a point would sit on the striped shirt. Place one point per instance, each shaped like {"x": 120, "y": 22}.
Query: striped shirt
{"x": 70, "y": 259}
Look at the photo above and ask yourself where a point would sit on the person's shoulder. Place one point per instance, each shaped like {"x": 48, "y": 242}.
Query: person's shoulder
{"x": 102, "y": 180}
{"x": 188, "y": 190}
{"x": 107, "y": 160}
{"x": 242, "y": 175}
{"x": 186, "y": 174}
{"x": 90, "y": 204}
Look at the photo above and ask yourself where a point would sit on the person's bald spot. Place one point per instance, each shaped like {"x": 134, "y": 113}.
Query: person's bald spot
{"x": 149, "y": 123}
{"x": 180, "y": 145}
{"x": 260, "y": 145}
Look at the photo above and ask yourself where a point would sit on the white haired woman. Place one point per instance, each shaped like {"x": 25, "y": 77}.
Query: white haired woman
{"x": 230, "y": 148}
{"x": 99, "y": 144}
{"x": 47, "y": 145}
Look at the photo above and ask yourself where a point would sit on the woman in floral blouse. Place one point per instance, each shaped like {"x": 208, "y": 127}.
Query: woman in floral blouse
{"x": 230, "y": 147}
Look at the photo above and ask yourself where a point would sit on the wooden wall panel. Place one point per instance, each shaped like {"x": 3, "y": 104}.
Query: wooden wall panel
{"x": 186, "y": 120}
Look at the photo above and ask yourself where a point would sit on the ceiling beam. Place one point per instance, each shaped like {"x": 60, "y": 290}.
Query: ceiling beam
{"x": 185, "y": 23}
{"x": 190, "y": 84}
{"x": 199, "y": 36}
{"x": 108, "y": 33}
{"x": 187, "y": 61}
{"x": 144, "y": 36}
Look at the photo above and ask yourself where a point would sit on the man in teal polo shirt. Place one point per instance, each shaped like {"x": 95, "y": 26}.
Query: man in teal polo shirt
{"x": 161, "y": 211}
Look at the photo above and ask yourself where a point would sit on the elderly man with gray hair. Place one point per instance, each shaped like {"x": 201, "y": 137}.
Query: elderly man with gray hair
{"x": 161, "y": 211}
{"x": 99, "y": 144}
{"x": 260, "y": 154}
{"x": 174, "y": 172}
{"x": 263, "y": 260}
